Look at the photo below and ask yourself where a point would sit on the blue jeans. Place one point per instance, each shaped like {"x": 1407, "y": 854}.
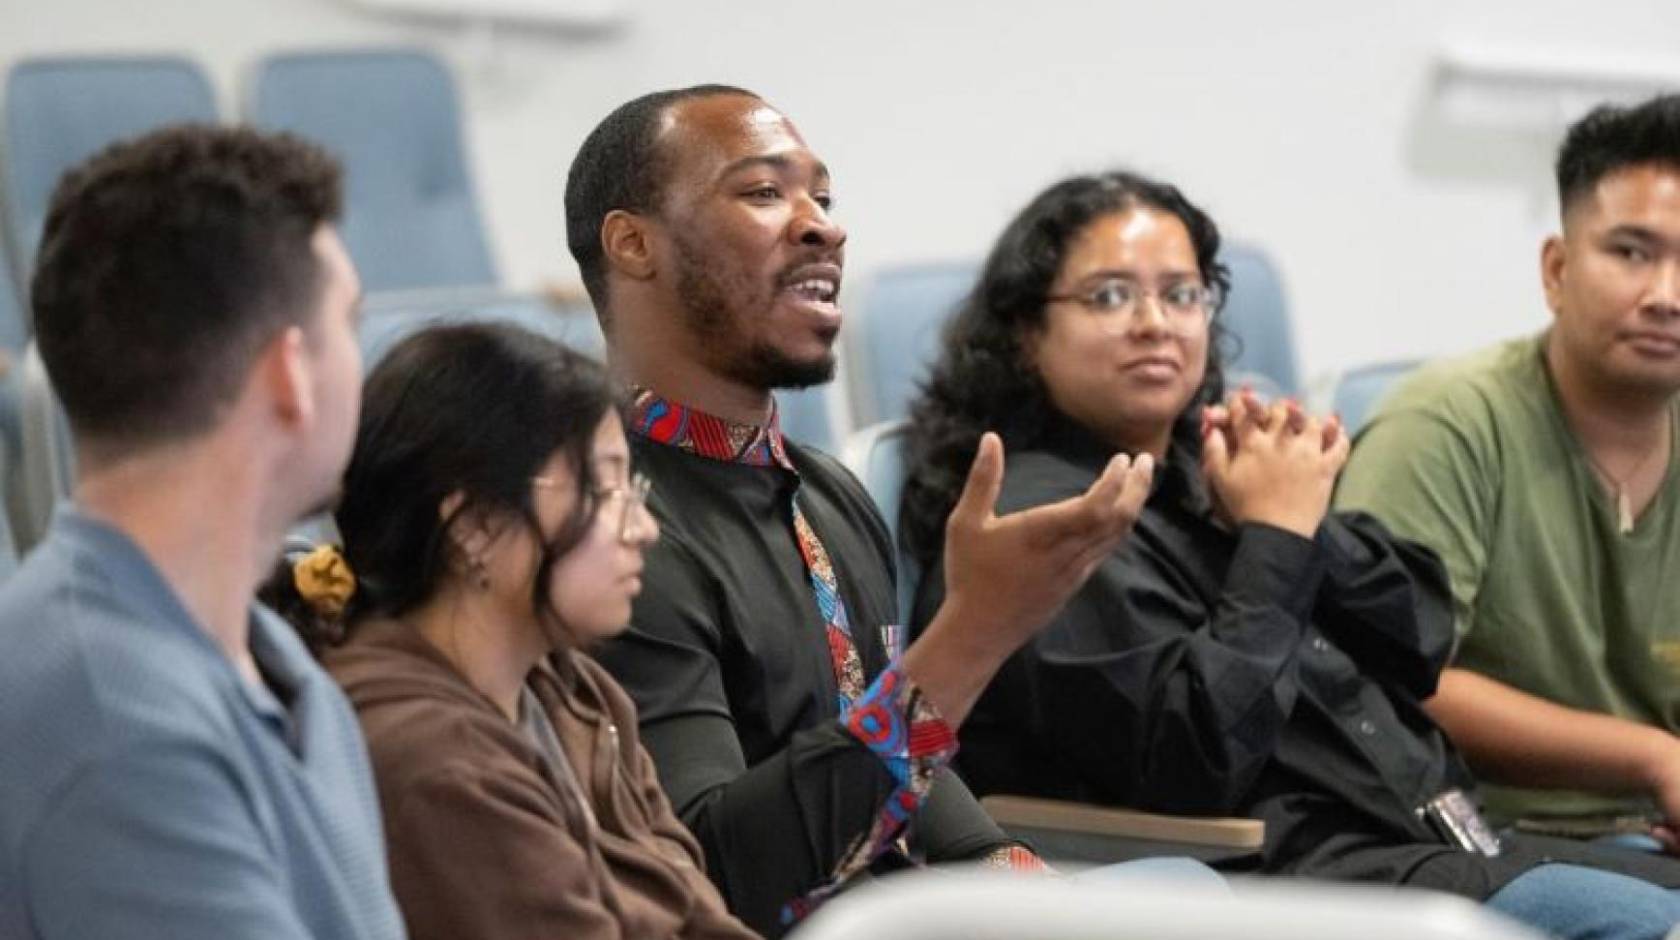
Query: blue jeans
{"x": 1632, "y": 841}
{"x": 1579, "y": 903}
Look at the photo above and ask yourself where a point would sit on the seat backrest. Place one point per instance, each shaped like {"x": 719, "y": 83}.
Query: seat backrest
{"x": 1359, "y": 391}
{"x": 387, "y": 318}
{"x": 411, "y": 218}
{"x": 46, "y": 464}
{"x": 898, "y": 333}
{"x": 807, "y": 416}
{"x": 11, "y": 450}
{"x": 11, "y": 423}
{"x": 1257, "y": 314}
{"x": 876, "y": 454}
{"x": 60, "y": 111}
{"x": 14, "y": 322}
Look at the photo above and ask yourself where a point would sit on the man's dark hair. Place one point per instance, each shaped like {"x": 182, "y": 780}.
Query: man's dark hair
{"x": 1615, "y": 137}
{"x": 167, "y": 261}
{"x": 982, "y": 380}
{"x": 620, "y": 166}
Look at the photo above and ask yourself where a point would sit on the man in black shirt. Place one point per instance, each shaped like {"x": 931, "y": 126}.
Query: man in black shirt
{"x": 791, "y": 736}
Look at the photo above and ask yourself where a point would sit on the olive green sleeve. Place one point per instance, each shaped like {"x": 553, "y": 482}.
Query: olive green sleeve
{"x": 1435, "y": 483}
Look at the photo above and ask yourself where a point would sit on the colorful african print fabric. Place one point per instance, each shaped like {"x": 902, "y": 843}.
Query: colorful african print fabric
{"x": 1015, "y": 858}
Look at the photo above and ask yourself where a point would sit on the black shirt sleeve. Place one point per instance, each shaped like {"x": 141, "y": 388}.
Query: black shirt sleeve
{"x": 1385, "y": 602}
{"x": 951, "y": 825}
{"x": 1162, "y": 702}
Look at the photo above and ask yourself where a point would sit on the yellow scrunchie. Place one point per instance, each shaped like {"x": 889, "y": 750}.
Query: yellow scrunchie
{"x": 324, "y": 580}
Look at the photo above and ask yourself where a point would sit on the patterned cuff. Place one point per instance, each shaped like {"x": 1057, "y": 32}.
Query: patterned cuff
{"x": 1015, "y": 858}
{"x": 901, "y": 727}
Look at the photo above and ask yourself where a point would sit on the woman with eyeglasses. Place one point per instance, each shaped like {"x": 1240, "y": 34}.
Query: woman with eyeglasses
{"x": 493, "y": 529}
{"x": 1244, "y": 652}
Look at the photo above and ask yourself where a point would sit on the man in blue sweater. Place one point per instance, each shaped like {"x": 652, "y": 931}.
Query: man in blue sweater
{"x": 172, "y": 762}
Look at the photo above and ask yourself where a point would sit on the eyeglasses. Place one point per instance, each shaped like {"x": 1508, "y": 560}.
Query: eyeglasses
{"x": 1183, "y": 305}
{"x": 635, "y": 496}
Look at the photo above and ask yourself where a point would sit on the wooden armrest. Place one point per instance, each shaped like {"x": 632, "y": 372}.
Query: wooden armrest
{"x": 1066, "y": 816}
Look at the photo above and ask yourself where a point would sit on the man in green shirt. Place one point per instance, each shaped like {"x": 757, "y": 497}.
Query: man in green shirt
{"x": 1544, "y": 472}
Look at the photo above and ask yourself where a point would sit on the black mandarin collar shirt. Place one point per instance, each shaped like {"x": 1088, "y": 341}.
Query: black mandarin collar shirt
{"x": 728, "y": 662}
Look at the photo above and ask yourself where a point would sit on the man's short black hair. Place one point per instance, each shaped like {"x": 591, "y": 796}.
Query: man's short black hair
{"x": 620, "y": 166}
{"x": 1615, "y": 137}
{"x": 167, "y": 261}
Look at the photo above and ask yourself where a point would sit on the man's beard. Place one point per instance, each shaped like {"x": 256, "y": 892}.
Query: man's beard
{"x": 704, "y": 294}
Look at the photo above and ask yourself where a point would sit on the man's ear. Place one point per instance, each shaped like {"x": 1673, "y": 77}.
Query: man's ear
{"x": 1554, "y": 256}
{"x": 283, "y": 367}
{"x": 627, "y": 240}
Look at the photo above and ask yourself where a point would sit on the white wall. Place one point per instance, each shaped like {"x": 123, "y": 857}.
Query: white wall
{"x": 1304, "y": 126}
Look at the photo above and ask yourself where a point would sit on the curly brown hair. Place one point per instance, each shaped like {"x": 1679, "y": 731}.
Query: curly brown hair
{"x": 167, "y": 261}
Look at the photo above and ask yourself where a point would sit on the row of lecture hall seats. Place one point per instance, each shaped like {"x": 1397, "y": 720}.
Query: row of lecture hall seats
{"x": 414, "y": 228}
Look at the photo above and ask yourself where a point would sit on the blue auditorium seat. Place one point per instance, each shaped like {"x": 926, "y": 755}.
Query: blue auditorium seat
{"x": 1257, "y": 314}
{"x": 13, "y": 315}
{"x": 46, "y": 464}
{"x": 59, "y": 111}
{"x": 11, "y": 430}
{"x": 1359, "y": 391}
{"x": 388, "y": 317}
{"x": 807, "y": 417}
{"x": 876, "y": 455}
{"x": 898, "y": 333}
{"x": 411, "y": 216}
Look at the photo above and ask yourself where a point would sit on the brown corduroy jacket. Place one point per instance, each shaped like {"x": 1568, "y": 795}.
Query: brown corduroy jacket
{"x": 485, "y": 842}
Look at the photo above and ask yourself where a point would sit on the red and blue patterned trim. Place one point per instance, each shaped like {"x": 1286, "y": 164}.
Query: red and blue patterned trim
{"x": 665, "y": 421}
{"x": 907, "y": 733}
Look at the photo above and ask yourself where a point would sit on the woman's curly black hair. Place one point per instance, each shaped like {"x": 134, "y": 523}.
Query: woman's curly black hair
{"x": 982, "y": 381}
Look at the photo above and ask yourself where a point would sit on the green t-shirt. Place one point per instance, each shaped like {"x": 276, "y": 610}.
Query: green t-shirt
{"x": 1473, "y": 458}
